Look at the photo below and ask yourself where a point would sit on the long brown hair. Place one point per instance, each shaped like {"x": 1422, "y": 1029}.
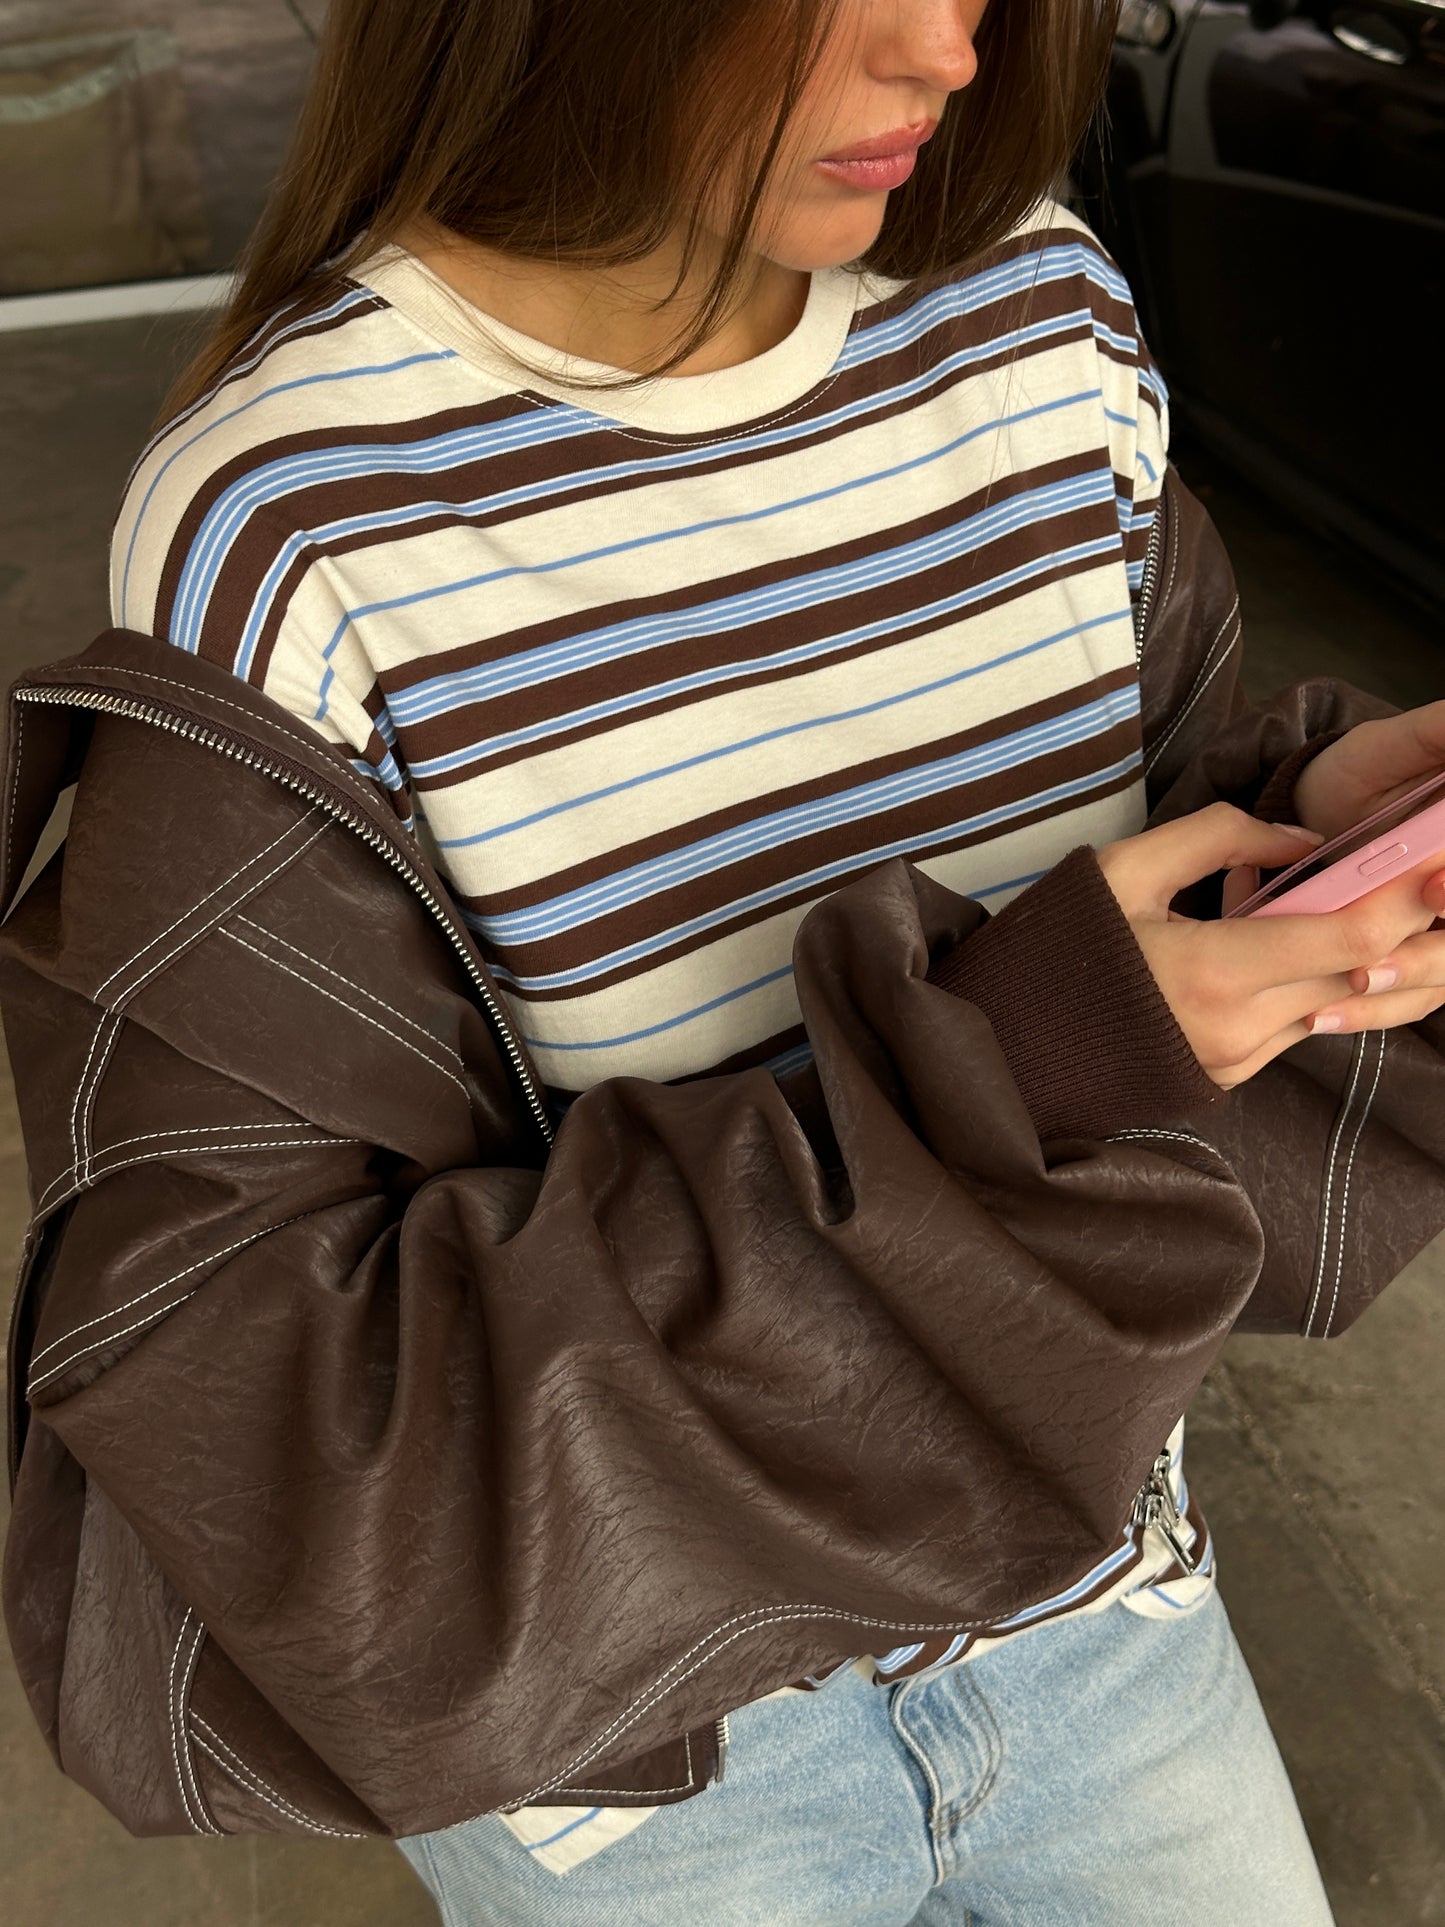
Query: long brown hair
{"x": 587, "y": 133}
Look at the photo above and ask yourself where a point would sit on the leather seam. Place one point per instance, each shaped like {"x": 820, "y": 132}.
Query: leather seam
{"x": 322, "y": 991}
{"x": 199, "y": 1150}
{"x": 87, "y": 1114}
{"x": 251, "y": 890}
{"x": 147, "y": 1137}
{"x": 150, "y": 1318}
{"x": 14, "y": 786}
{"x": 601, "y": 1793}
{"x": 360, "y": 989}
{"x": 1201, "y": 683}
{"x": 191, "y": 909}
{"x": 178, "y": 1695}
{"x": 234, "y": 1767}
{"x": 1337, "y": 1130}
{"x": 755, "y": 1619}
{"x": 1345, "y": 1189}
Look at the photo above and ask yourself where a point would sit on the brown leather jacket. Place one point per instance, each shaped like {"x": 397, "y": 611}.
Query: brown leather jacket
{"x": 381, "y": 1458}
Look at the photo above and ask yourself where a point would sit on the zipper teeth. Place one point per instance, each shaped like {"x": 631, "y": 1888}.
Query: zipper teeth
{"x": 1153, "y": 558}
{"x": 213, "y": 739}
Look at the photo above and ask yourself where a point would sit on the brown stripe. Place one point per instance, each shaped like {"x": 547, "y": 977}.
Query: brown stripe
{"x": 760, "y": 642}
{"x": 923, "y": 824}
{"x": 368, "y": 495}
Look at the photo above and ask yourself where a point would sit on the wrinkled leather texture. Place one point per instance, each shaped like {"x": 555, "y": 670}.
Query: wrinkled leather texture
{"x": 377, "y": 1465}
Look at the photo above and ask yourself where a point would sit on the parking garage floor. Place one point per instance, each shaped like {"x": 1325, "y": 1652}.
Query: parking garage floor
{"x": 1319, "y": 1465}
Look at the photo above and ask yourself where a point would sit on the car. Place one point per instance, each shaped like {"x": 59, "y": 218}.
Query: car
{"x": 1270, "y": 177}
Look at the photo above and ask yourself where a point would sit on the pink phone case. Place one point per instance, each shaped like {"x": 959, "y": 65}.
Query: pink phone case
{"x": 1364, "y": 867}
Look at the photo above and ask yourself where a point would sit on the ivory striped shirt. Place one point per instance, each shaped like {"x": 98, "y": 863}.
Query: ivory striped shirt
{"x": 652, "y": 673}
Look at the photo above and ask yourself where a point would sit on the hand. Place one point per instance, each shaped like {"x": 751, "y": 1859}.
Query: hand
{"x": 1371, "y": 765}
{"x": 1242, "y": 991}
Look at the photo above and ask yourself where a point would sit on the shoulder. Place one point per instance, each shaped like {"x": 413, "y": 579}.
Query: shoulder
{"x": 225, "y": 486}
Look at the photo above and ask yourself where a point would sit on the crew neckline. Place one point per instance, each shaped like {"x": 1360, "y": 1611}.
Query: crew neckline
{"x": 673, "y": 404}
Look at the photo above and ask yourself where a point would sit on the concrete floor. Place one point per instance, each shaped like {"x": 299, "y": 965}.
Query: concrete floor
{"x": 1319, "y": 1464}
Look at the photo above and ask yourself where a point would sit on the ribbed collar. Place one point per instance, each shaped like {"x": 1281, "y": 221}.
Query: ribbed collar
{"x": 670, "y": 404}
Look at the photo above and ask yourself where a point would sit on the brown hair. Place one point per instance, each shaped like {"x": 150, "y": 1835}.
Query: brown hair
{"x": 575, "y": 131}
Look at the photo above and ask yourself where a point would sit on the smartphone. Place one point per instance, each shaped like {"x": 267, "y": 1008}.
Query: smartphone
{"x": 1395, "y": 839}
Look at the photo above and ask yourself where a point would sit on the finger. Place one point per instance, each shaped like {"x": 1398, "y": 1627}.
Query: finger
{"x": 1240, "y": 885}
{"x": 1381, "y": 1012}
{"x": 1148, "y": 870}
{"x": 1412, "y": 965}
{"x": 1333, "y": 942}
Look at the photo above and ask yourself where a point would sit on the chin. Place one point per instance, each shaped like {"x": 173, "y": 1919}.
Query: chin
{"x": 832, "y": 243}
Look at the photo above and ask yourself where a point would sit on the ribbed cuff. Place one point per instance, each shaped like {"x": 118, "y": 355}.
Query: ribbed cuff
{"x": 1276, "y": 800}
{"x": 1088, "y": 1034}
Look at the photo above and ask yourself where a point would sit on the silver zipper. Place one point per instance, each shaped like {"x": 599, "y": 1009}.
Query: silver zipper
{"x": 1155, "y": 1505}
{"x": 1153, "y": 559}
{"x": 722, "y": 1746}
{"x": 112, "y": 705}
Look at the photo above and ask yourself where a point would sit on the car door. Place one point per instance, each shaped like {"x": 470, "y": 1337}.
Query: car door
{"x": 1301, "y": 300}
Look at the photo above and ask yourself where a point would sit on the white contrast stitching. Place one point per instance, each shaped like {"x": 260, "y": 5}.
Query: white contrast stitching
{"x": 171, "y": 1715}
{"x": 191, "y": 910}
{"x": 115, "y": 1311}
{"x": 322, "y": 991}
{"x": 760, "y": 1616}
{"x": 200, "y": 1150}
{"x": 252, "y": 889}
{"x": 19, "y": 709}
{"x": 80, "y": 1086}
{"x": 360, "y": 989}
{"x": 1202, "y": 682}
{"x": 1183, "y": 1137}
{"x": 312, "y": 743}
{"x": 87, "y": 1112}
{"x": 1345, "y": 1190}
{"x": 147, "y": 1137}
{"x": 1331, "y": 1158}
{"x": 652, "y": 1792}
{"x": 1173, "y": 566}
{"x": 182, "y": 1704}
{"x": 234, "y": 1767}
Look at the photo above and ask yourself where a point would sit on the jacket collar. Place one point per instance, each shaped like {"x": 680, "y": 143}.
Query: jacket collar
{"x": 46, "y": 738}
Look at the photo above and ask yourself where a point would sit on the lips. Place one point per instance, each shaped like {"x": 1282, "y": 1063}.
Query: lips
{"x": 902, "y": 140}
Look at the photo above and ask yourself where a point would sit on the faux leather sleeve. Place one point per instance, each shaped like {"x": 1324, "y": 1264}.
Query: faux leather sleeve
{"x": 1340, "y": 1141}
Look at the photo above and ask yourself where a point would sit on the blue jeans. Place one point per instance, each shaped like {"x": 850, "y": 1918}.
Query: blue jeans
{"x": 1106, "y": 1770}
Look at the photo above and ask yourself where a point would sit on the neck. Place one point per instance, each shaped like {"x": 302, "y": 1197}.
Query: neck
{"x": 607, "y": 315}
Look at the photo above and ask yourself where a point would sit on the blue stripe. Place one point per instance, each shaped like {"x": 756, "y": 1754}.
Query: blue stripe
{"x": 775, "y": 735}
{"x": 668, "y": 1023}
{"x": 816, "y": 878}
{"x": 188, "y": 623}
{"x": 790, "y": 1060}
{"x": 409, "y": 705}
{"x": 571, "y": 1827}
{"x": 865, "y": 343}
{"x": 922, "y": 617}
{"x": 533, "y": 494}
{"x": 685, "y": 863}
{"x": 239, "y": 369}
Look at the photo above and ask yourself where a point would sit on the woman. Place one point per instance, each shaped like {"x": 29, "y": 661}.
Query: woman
{"x": 681, "y": 515}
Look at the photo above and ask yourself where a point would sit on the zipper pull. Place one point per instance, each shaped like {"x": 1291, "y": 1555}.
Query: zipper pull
{"x": 723, "y": 1736}
{"x": 1154, "y": 1506}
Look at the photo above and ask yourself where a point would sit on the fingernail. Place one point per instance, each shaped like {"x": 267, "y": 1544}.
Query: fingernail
{"x": 1331, "y": 1022}
{"x": 1381, "y": 979}
{"x": 1298, "y": 829}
